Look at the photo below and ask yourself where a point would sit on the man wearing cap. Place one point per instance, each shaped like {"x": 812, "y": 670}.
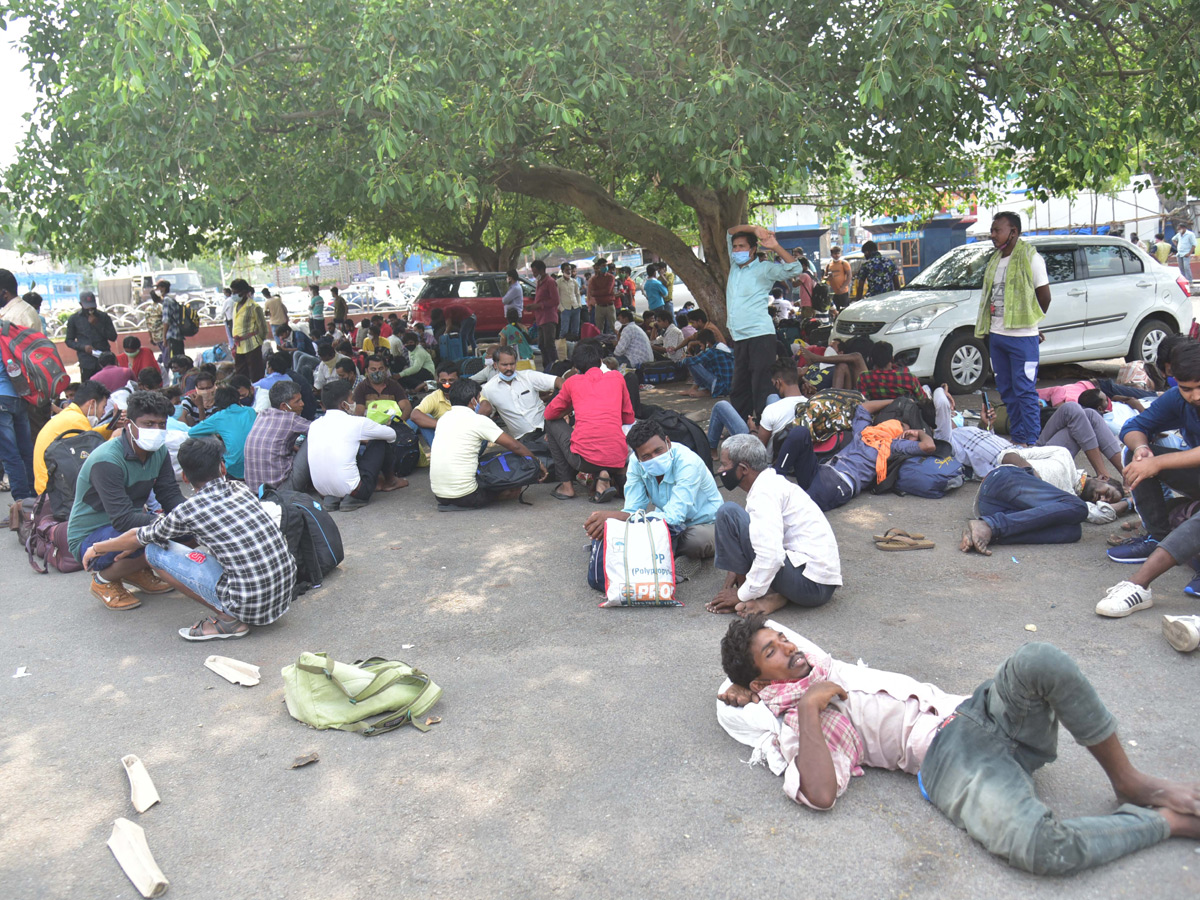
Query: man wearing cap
{"x": 89, "y": 332}
{"x": 601, "y": 294}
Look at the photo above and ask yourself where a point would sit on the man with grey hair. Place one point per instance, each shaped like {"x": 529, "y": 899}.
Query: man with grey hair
{"x": 780, "y": 548}
{"x": 89, "y": 332}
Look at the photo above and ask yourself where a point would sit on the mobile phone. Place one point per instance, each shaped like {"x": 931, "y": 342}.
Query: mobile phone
{"x": 987, "y": 408}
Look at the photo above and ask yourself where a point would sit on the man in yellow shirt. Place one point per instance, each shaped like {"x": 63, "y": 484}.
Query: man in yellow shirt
{"x": 436, "y": 404}
{"x": 249, "y": 332}
{"x": 84, "y": 414}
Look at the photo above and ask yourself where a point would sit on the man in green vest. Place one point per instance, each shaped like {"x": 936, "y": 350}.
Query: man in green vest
{"x": 1016, "y": 295}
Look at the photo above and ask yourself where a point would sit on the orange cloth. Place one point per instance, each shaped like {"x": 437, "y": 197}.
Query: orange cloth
{"x": 880, "y": 437}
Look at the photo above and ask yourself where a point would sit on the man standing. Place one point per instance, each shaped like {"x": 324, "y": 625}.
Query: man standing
{"x": 877, "y": 274}
{"x": 837, "y": 275}
{"x": 316, "y": 312}
{"x": 1162, "y": 250}
{"x": 514, "y": 297}
{"x": 1185, "y": 246}
{"x": 569, "y": 299}
{"x": 747, "y": 308}
{"x": 249, "y": 331}
{"x": 340, "y": 312}
{"x": 277, "y": 316}
{"x": 172, "y": 316}
{"x": 16, "y": 437}
{"x": 13, "y": 308}
{"x": 89, "y": 332}
{"x": 655, "y": 291}
{"x": 227, "y": 314}
{"x": 602, "y": 297}
{"x": 1016, "y": 295}
{"x": 545, "y": 304}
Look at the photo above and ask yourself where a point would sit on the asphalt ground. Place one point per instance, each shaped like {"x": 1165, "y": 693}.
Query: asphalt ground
{"x": 578, "y": 753}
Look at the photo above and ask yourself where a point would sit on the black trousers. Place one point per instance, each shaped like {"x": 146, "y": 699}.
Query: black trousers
{"x": 752, "y": 361}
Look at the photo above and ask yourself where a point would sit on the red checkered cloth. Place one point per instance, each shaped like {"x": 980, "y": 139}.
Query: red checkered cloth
{"x": 888, "y": 384}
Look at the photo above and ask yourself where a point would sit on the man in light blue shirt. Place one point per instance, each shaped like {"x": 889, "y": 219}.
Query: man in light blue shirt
{"x": 676, "y": 482}
{"x": 748, "y": 316}
{"x": 1185, "y": 246}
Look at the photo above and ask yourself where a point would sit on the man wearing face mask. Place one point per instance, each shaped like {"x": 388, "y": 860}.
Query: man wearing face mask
{"x": 675, "y": 482}
{"x": 249, "y": 331}
{"x": 601, "y": 296}
{"x": 353, "y": 453}
{"x": 110, "y": 498}
{"x": 436, "y": 404}
{"x": 748, "y": 316}
{"x": 379, "y": 385}
{"x": 89, "y": 408}
{"x": 517, "y": 396}
{"x": 1016, "y": 295}
{"x": 780, "y": 548}
{"x": 89, "y": 332}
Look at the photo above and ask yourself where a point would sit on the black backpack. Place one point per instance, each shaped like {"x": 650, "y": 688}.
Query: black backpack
{"x": 471, "y": 365}
{"x": 681, "y": 430}
{"x": 318, "y": 549}
{"x": 189, "y": 321}
{"x": 64, "y": 459}
{"x": 408, "y": 449}
{"x": 820, "y": 297}
{"x": 506, "y": 470}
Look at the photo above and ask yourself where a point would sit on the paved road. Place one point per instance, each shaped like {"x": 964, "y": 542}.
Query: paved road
{"x": 579, "y": 754}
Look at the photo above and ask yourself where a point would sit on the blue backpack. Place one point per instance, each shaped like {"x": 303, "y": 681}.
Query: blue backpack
{"x": 929, "y": 476}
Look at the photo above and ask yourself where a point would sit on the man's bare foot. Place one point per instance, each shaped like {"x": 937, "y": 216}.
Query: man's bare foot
{"x": 394, "y": 484}
{"x": 766, "y": 604}
{"x": 695, "y": 392}
{"x": 1182, "y": 825}
{"x": 725, "y": 601}
{"x": 1146, "y": 790}
{"x": 976, "y": 536}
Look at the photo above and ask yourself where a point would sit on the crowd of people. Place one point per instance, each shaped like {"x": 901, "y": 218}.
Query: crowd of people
{"x": 172, "y": 498}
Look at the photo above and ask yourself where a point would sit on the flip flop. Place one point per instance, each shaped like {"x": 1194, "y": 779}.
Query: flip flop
{"x": 898, "y": 543}
{"x": 896, "y": 532}
{"x": 557, "y": 496}
{"x": 604, "y": 496}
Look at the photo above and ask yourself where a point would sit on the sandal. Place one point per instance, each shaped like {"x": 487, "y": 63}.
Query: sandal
{"x": 560, "y": 496}
{"x": 222, "y": 630}
{"x": 896, "y": 532}
{"x": 604, "y": 496}
{"x": 898, "y": 542}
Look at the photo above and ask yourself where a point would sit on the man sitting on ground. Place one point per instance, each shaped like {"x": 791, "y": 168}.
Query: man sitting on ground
{"x": 276, "y": 454}
{"x": 669, "y": 340}
{"x": 676, "y": 482}
{"x": 248, "y": 575}
{"x": 858, "y": 465}
{"x": 780, "y": 548}
{"x": 232, "y": 422}
{"x": 516, "y": 396}
{"x": 885, "y": 380}
{"x": 345, "y": 478}
{"x": 110, "y": 498}
{"x": 83, "y": 413}
{"x": 380, "y": 386}
{"x": 436, "y": 403}
{"x": 198, "y": 402}
{"x": 294, "y": 340}
{"x": 776, "y": 417}
{"x": 633, "y": 346}
{"x": 111, "y": 375}
{"x": 711, "y": 367}
{"x": 348, "y": 372}
{"x": 420, "y": 363}
{"x": 136, "y": 357}
{"x": 973, "y": 755}
{"x": 461, "y": 432}
{"x": 325, "y": 370}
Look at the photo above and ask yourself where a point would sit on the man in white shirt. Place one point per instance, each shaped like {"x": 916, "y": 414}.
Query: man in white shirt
{"x": 670, "y": 340}
{"x": 570, "y": 300}
{"x": 345, "y": 479}
{"x": 1185, "y": 246}
{"x": 517, "y": 396}
{"x": 633, "y": 346}
{"x": 325, "y": 371}
{"x": 460, "y": 433}
{"x": 776, "y": 416}
{"x": 780, "y": 548}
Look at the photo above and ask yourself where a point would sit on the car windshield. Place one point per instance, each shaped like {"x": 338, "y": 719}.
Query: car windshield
{"x": 184, "y": 281}
{"x": 961, "y": 268}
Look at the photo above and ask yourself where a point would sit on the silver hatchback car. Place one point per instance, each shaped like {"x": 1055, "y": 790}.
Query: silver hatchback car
{"x": 1108, "y": 299}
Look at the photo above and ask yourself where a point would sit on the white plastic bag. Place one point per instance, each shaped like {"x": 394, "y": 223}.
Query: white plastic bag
{"x": 639, "y": 567}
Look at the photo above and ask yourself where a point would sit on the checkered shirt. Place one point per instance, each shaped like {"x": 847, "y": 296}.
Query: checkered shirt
{"x": 720, "y": 364}
{"x": 260, "y": 572}
{"x": 268, "y": 452}
{"x": 888, "y": 384}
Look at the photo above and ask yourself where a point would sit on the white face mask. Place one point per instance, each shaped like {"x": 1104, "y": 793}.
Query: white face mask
{"x": 150, "y": 439}
{"x": 92, "y": 418}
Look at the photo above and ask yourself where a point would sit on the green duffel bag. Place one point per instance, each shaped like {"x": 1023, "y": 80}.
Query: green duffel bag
{"x": 327, "y": 694}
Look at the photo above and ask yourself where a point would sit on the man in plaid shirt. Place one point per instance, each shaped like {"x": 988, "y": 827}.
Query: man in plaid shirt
{"x": 884, "y": 380}
{"x": 973, "y": 756}
{"x": 248, "y": 575}
{"x": 711, "y": 368}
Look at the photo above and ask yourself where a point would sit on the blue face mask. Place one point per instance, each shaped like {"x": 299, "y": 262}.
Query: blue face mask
{"x": 658, "y": 465}
{"x": 740, "y": 257}
{"x": 507, "y": 378}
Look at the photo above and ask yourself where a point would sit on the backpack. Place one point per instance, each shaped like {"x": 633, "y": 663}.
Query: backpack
{"x": 661, "y": 371}
{"x": 408, "y": 449}
{"x": 327, "y": 694}
{"x": 64, "y": 460}
{"x": 505, "y": 470}
{"x": 471, "y": 365}
{"x": 48, "y": 542}
{"x": 682, "y": 430}
{"x": 189, "y": 320}
{"x": 295, "y": 532}
{"x": 43, "y": 375}
{"x": 320, "y": 547}
{"x": 913, "y": 413}
{"x": 828, "y": 412}
{"x": 929, "y": 476}
{"x": 820, "y": 297}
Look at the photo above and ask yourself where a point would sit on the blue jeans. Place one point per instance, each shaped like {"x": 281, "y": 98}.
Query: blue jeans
{"x": 568, "y": 323}
{"x": 823, "y": 484}
{"x": 724, "y": 418}
{"x": 1015, "y": 365}
{"x": 1020, "y": 508}
{"x": 978, "y": 769}
{"x": 426, "y": 433}
{"x": 735, "y": 553}
{"x": 704, "y": 379}
{"x": 194, "y": 569}
{"x": 103, "y": 533}
{"x": 1185, "y": 267}
{"x": 16, "y": 446}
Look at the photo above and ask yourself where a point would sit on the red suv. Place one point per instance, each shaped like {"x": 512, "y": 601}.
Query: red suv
{"x": 478, "y": 293}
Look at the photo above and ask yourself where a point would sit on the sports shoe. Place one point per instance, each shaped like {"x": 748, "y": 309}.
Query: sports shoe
{"x": 114, "y": 595}
{"x": 1193, "y": 587}
{"x": 1124, "y": 598}
{"x": 1134, "y": 550}
{"x": 147, "y": 582}
{"x": 1182, "y": 632}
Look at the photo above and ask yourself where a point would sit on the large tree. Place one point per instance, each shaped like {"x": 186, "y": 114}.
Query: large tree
{"x": 185, "y": 123}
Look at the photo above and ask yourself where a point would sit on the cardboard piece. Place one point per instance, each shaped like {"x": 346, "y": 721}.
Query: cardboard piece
{"x": 141, "y": 789}
{"x": 128, "y": 845}
{"x": 233, "y": 670}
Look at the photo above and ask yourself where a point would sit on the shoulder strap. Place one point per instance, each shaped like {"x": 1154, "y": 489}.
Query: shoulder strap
{"x": 29, "y": 541}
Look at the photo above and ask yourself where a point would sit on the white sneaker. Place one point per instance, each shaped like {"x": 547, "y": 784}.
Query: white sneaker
{"x": 1182, "y": 632}
{"x": 1124, "y": 598}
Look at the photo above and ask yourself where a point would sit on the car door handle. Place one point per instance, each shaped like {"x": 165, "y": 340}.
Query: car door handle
{"x": 1076, "y": 293}
{"x": 1145, "y": 284}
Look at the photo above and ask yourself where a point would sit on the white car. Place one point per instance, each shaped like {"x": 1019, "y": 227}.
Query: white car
{"x": 1107, "y": 299}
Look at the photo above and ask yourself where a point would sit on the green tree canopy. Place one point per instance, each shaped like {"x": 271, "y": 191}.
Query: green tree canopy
{"x": 183, "y": 124}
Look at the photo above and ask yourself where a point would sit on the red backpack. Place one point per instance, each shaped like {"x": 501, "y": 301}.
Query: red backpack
{"x": 43, "y": 375}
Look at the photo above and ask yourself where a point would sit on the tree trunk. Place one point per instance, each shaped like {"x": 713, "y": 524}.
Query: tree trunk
{"x": 705, "y": 279}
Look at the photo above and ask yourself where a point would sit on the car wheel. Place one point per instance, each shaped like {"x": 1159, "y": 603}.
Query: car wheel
{"x": 1146, "y": 339}
{"x": 962, "y": 363}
